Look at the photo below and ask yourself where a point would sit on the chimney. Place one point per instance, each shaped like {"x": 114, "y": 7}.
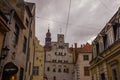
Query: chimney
{"x": 72, "y": 45}
{"x": 72, "y": 48}
{"x": 75, "y": 45}
{"x": 81, "y": 45}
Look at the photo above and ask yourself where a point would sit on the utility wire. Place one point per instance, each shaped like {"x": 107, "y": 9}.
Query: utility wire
{"x": 59, "y": 22}
{"x": 68, "y": 19}
{"x": 48, "y": 19}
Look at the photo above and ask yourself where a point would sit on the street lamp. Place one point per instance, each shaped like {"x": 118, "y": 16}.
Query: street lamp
{"x": 5, "y": 51}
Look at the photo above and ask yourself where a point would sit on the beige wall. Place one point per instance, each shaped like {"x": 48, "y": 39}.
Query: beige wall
{"x": 81, "y": 64}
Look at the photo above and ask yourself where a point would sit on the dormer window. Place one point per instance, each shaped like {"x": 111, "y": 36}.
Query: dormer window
{"x": 116, "y": 28}
{"x": 97, "y": 48}
{"x": 105, "y": 41}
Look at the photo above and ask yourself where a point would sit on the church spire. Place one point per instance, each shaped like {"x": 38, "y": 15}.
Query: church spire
{"x": 48, "y": 39}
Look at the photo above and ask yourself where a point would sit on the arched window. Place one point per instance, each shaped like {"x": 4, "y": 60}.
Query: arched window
{"x": 64, "y": 70}
{"x": 59, "y": 70}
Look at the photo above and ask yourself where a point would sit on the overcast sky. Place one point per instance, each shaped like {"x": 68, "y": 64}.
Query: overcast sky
{"x": 87, "y": 18}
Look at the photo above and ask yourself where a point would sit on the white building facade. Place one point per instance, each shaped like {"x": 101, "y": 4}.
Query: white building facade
{"x": 58, "y": 59}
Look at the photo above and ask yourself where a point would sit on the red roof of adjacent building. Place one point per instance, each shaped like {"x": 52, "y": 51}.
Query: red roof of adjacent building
{"x": 85, "y": 48}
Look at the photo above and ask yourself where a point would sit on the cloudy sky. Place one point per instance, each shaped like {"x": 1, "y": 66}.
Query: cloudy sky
{"x": 87, "y": 18}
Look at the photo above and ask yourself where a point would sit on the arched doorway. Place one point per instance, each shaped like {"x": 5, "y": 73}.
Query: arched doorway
{"x": 9, "y": 71}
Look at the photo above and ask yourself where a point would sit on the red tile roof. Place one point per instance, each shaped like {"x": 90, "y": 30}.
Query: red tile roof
{"x": 85, "y": 48}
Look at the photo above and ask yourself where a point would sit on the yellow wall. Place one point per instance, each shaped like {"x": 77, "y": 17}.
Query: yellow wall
{"x": 107, "y": 61}
{"x": 39, "y": 53}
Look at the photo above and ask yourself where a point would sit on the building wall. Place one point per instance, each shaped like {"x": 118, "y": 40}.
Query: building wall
{"x": 59, "y": 61}
{"x": 81, "y": 64}
{"x": 38, "y": 61}
{"x": 30, "y": 17}
{"x": 3, "y": 29}
{"x": 16, "y": 55}
{"x": 107, "y": 62}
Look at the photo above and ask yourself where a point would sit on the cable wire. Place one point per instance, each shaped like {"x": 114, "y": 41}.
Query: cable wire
{"x": 68, "y": 19}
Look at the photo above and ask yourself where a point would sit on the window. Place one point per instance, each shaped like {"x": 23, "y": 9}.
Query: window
{"x": 64, "y": 70}
{"x": 59, "y": 53}
{"x": 21, "y": 74}
{"x": 97, "y": 48}
{"x": 53, "y": 60}
{"x": 59, "y": 60}
{"x": 35, "y": 70}
{"x": 105, "y": 41}
{"x": 54, "y": 78}
{"x": 114, "y": 70}
{"x": 24, "y": 44}
{"x": 55, "y": 53}
{"x": 85, "y": 57}
{"x": 27, "y": 23}
{"x": 67, "y": 70}
{"x": 37, "y": 58}
{"x": 48, "y": 69}
{"x": 86, "y": 71}
{"x": 103, "y": 76}
{"x": 29, "y": 68}
{"x": 59, "y": 70}
{"x": 64, "y": 54}
{"x": 15, "y": 35}
{"x": 116, "y": 28}
{"x": 115, "y": 74}
{"x": 65, "y": 61}
{"x": 54, "y": 70}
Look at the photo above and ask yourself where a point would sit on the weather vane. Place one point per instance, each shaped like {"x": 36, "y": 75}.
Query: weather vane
{"x": 48, "y": 26}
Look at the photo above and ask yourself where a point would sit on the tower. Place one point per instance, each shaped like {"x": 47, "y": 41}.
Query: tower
{"x": 48, "y": 40}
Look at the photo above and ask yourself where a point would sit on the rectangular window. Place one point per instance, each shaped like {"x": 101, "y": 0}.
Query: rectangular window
{"x": 103, "y": 76}
{"x": 105, "y": 41}
{"x": 116, "y": 28}
{"x": 86, "y": 71}
{"x": 15, "y": 35}
{"x": 54, "y": 70}
{"x": 85, "y": 57}
{"x": 97, "y": 48}
{"x": 29, "y": 68}
{"x": 36, "y": 70}
{"x": 27, "y": 23}
{"x": 48, "y": 69}
{"x": 114, "y": 72}
{"x": 24, "y": 44}
{"x": 67, "y": 70}
{"x": 118, "y": 32}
